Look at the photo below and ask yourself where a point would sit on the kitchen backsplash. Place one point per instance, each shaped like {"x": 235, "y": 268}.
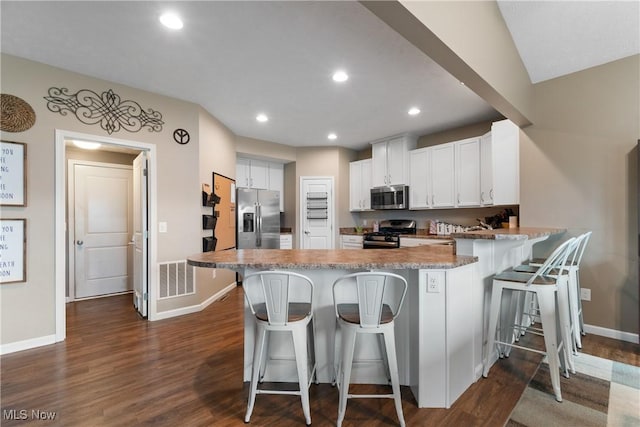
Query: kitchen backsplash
{"x": 463, "y": 217}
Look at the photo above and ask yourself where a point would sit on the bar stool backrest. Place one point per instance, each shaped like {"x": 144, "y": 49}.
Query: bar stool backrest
{"x": 371, "y": 291}
{"x": 276, "y": 290}
{"x": 584, "y": 239}
{"x": 556, "y": 261}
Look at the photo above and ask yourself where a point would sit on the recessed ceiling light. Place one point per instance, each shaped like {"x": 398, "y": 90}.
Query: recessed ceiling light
{"x": 262, "y": 118}
{"x": 171, "y": 20}
{"x": 86, "y": 145}
{"x": 340, "y": 76}
{"x": 414, "y": 111}
{"x": 332, "y": 136}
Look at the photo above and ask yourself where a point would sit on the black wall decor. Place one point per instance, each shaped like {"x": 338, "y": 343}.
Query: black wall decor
{"x": 181, "y": 136}
{"x": 106, "y": 109}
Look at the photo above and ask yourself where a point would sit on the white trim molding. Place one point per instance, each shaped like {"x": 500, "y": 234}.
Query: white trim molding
{"x": 611, "y": 333}
{"x": 12, "y": 347}
{"x": 197, "y": 307}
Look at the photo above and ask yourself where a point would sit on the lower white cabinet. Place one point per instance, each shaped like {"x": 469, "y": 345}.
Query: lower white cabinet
{"x": 348, "y": 241}
{"x": 286, "y": 241}
{"x": 410, "y": 242}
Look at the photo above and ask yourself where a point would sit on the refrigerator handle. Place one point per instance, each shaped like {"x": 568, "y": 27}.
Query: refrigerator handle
{"x": 258, "y": 225}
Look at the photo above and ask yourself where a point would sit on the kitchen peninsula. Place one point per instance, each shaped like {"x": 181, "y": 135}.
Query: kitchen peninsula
{"x": 496, "y": 251}
{"x": 433, "y": 337}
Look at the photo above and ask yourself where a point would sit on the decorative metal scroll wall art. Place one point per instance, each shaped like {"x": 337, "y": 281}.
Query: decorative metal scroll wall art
{"x": 107, "y": 109}
{"x": 17, "y": 115}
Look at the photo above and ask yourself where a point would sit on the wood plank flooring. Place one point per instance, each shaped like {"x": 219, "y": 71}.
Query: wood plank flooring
{"x": 117, "y": 370}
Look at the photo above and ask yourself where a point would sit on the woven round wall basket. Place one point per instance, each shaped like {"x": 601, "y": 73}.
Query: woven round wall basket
{"x": 16, "y": 115}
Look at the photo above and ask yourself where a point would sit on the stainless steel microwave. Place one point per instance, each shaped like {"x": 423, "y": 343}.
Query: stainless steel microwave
{"x": 390, "y": 197}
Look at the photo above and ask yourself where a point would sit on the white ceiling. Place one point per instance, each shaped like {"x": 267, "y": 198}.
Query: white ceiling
{"x": 238, "y": 59}
{"x": 555, "y": 38}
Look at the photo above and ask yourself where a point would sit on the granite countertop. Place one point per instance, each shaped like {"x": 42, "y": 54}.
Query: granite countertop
{"x": 421, "y": 257}
{"x": 520, "y": 233}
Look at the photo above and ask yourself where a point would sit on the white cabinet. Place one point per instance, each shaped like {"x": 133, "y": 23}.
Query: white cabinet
{"x": 443, "y": 176}
{"x": 419, "y": 178}
{"x": 348, "y": 241}
{"x": 251, "y": 173}
{"x": 286, "y": 241}
{"x": 500, "y": 165}
{"x": 467, "y": 165}
{"x": 261, "y": 175}
{"x": 276, "y": 181}
{"x": 391, "y": 161}
{"x": 360, "y": 185}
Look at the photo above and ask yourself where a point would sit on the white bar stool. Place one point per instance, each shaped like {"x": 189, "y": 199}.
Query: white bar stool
{"x": 552, "y": 296}
{"x": 368, "y": 303}
{"x": 573, "y": 264}
{"x": 268, "y": 295}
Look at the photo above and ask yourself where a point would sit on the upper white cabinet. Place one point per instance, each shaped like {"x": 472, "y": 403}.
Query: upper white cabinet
{"x": 391, "y": 161}
{"x": 467, "y": 165}
{"x": 419, "y": 178}
{"x": 443, "y": 176}
{"x": 252, "y": 173}
{"x": 500, "y": 165}
{"x": 261, "y": 175}
{"x": 360, "y": 185}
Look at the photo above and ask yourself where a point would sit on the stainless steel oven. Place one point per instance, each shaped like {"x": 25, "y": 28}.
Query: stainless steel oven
{"x": 389, "y": 235}
{"x": 390, "y": 197}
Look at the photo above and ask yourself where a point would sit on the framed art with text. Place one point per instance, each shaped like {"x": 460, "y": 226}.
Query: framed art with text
{"x": 13, "y": 173}
{"x": 13, "y": 250}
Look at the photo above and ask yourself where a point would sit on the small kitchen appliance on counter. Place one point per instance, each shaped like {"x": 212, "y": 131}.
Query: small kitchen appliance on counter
{"x": 388, "y": 236}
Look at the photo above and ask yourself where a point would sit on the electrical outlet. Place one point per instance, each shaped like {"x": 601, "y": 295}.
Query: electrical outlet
{"x": 213, "y": 274}
{"x": 434, "y": 282}
{"x": 162, "y": 227}
{"x": 585, "y": 294}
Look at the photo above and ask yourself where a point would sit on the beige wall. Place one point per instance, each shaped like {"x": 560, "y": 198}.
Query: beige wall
{"x": 579, "y": 171}
{"x": 27, "y": 310}
{"x": 457, "y": 134}
{"x": 327, "y": 161}
{"x": 265, "y": 149}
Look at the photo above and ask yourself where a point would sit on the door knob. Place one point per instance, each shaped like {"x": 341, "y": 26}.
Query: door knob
{"x": 79, "y": 242}
{"x": 306, "y": 232}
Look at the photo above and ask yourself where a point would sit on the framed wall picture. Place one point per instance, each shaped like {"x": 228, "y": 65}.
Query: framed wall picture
{"x": 13, "y": 173}
{"x": 13, "y": 250}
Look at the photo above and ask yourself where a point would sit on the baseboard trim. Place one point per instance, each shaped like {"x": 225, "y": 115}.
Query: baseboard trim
{"x": 27, "y": 344}
{"x": 611, "y": 333}
{"x": 197, "y": 307}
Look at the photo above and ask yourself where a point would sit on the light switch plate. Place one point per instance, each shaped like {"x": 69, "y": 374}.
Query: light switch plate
{"x": 162, "y": 227}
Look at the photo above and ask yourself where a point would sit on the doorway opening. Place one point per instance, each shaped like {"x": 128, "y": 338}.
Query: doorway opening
{"x": 107, "y": 245}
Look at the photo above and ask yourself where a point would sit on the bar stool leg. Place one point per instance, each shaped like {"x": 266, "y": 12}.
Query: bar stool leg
{"x": 255, "y": 370}
{"x": 348, "y": 345}
{"x": 383, "y": 352}
{"x": 300, "y": 347}
{"x": 574, "y": 298}
{"x": 494, "y": 311}
{"x": 389, "y": 341}
{"x": 547, "y": 304}
{"x": 565, "y": 323}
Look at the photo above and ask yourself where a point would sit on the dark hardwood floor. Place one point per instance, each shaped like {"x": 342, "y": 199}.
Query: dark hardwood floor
{"x": 117, "y": 370}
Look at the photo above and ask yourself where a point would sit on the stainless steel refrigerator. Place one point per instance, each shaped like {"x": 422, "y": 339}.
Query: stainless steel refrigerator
{"x": 258, "y": 219}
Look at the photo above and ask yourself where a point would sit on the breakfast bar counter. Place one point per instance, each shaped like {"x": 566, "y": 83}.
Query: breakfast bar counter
{"x": 434, "y": 340}
{"x": 496, "y": 251}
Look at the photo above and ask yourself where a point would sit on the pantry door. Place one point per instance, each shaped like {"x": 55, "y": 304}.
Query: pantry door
{"x": 316, "y": 212}
{"x": 102, "y": 228}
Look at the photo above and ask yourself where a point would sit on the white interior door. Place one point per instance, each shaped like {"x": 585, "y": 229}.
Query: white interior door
{"x": 317, "y": 212}
{"x": 140, "y": 235}
{"x": 102, "y": 226}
